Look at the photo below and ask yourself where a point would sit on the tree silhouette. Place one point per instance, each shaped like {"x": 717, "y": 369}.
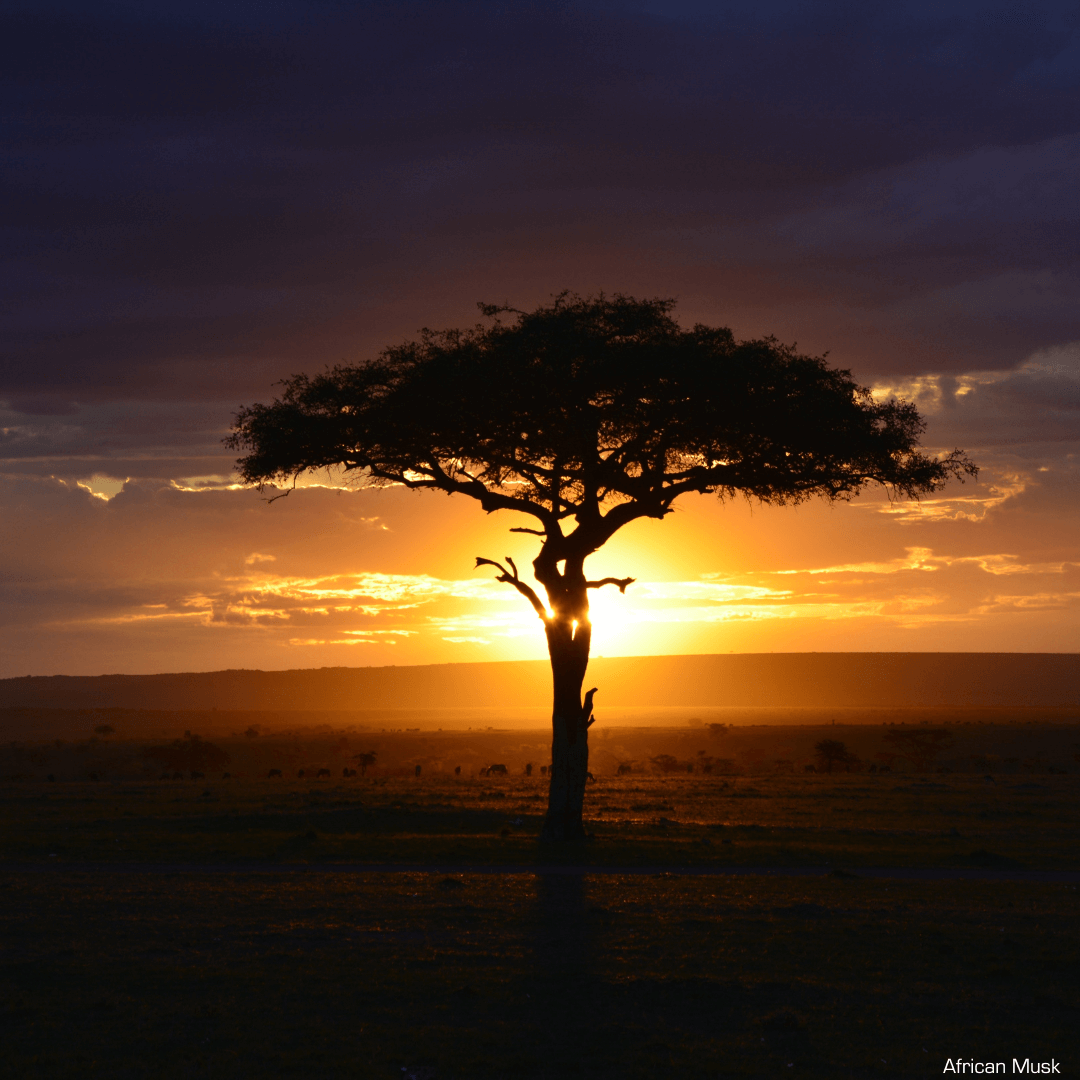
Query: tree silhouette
{"x": 832, "y": 752}
{"x": 365, "y": 760}
{"x": 585, "y": 415}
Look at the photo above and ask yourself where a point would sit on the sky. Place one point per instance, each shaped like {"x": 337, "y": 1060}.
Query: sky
{"x": 201, "y": 199}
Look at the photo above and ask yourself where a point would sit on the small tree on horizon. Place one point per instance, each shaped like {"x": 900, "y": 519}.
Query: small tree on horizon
{"x": 585, "y": 415}
{"x": 832, "y": 752}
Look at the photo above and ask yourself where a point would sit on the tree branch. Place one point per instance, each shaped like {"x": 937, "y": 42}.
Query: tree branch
{"x": 587, "y": 718}
{"x": 510, "y": 577}
{"x": 287, "y": 491}
{"x": 622, "y": 582}
{"x": 488, "y": 499}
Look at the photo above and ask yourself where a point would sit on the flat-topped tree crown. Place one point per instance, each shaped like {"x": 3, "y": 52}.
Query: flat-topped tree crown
{"x": 589, "y": 408}
{"x": 585, "y": 414}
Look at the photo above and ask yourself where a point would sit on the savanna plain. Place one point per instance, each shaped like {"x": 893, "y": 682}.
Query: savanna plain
{"x": 747, "y": 904}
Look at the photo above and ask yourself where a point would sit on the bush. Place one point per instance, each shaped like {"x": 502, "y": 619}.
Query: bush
{"x": 832, "y": 752}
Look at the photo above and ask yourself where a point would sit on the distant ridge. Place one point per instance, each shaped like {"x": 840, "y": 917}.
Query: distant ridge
{"x": 792, "y": 680}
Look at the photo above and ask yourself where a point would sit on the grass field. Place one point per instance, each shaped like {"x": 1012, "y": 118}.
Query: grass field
{"x": 780, "y": 820}
{"x": 200, "y": 928}
{"x": 335, "y": 975}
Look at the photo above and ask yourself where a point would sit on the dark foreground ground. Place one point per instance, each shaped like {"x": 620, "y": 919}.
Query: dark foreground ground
{"x": 122, "y": 974}
{"x": 265, "y": 956}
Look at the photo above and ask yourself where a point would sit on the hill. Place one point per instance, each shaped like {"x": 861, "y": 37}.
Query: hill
{"x": 754, "y": 680}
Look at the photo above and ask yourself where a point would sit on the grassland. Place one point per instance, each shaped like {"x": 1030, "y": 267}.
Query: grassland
{"x": 845, "y": 820}
{"x": 183, "y": 928}
{"x": 529, "y": 975}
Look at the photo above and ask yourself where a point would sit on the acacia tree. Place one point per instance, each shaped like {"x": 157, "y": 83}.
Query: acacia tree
{"x": 832, "y": 752}
{"x": 585, "y": 415}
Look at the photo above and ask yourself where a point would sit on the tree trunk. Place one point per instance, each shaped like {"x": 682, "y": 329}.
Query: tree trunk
{"x": 569, "y": 635}
{"x": 568, "y": 648}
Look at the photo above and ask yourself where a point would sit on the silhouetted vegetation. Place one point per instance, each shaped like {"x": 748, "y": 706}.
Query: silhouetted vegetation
{"x": 831, "y": 753}
{"x": 584, "y": 415}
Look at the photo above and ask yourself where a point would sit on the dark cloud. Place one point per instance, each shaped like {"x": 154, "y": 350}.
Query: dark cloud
{"x": 199, "y": 200}
{"x": 1030, "y": 413}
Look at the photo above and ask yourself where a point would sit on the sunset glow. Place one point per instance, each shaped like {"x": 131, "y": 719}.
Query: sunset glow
{"x": 186, "y": 241}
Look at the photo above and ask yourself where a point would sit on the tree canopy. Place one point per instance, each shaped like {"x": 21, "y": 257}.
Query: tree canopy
{"x": 586, "y": 414}
{"x": 596, "y": 409}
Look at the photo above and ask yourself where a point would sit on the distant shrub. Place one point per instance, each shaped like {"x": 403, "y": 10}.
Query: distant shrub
{"x": 365, "y": 760}
{"x": 833, "y": 753}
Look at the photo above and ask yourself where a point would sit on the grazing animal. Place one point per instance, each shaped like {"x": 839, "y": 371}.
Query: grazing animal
{"x": 272, "y": 773}
{"x": 323, "y": 772}
{"x": 300, "y": 775}
{"x": 809, "y": 768}
{"x": 528, "y": 769}
{"x": 543, "y": 770}
{"x": 226, "y": 776}
{"x": 166, "y": 776}
{"x": 347, "y": 772}
{"x": 178, "y": 776}
{"x": 496, "y": 770}
{"x": 624, "y": 769}
{"x": 417, "y": 773}
{"x": 197, "y": 776}
{"x": 589, "y": 776}
{"x": 457, "y": 770}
